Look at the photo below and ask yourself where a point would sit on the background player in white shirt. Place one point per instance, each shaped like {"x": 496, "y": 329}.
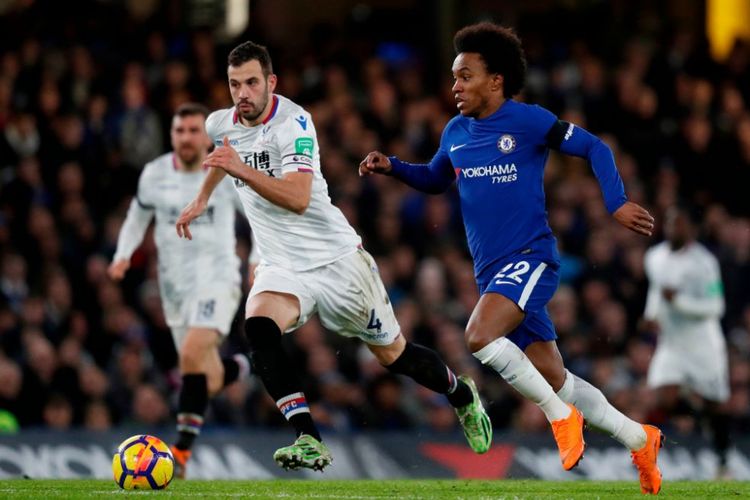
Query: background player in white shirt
{"x": 684, "y": 305}
{"x": 199, "y": 282}
{"x": 311, "y": 260}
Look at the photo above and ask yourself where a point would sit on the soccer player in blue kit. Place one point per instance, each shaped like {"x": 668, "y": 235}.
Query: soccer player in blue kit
{"x": 495, "y": 149}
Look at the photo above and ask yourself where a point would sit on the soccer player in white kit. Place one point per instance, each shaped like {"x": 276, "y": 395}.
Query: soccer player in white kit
{"x": 311, "y": 259}
{"x": 684, "y": 305}
{"x": 199, "y": 282}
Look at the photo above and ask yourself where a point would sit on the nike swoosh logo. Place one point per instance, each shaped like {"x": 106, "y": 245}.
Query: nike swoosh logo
{"x": 500, "y": 282}
{"x": 454, "y": 147}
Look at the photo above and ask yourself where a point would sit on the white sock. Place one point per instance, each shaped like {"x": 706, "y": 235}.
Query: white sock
{"x": 507, "y": 359}
{"x": 600, "y": 414}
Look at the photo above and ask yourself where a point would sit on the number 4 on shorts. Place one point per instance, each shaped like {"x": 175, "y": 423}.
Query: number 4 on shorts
{"x": 374, "y": 323}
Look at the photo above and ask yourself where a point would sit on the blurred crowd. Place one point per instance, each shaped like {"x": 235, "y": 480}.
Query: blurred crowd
{"x": 84, "y": 105}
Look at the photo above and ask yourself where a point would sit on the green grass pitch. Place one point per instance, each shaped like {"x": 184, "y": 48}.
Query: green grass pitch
{"x": 454, "y": 489}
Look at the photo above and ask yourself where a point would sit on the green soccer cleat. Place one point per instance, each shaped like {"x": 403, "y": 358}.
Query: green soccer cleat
{"x": 305, "y": 452}
{"x": 475, "y": 421}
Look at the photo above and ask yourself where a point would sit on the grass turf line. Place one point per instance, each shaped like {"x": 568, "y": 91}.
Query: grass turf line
{"x": 368, "y": 489}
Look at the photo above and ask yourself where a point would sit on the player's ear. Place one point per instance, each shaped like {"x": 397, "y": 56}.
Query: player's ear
{"x": 272, "y": 80}
{"x": 497, "y": 82}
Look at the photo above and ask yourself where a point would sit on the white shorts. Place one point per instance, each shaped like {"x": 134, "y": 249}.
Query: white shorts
{"x": 212, "y": 308}
{"x": 347, "y": 294}
{"x": 703, "y": 370}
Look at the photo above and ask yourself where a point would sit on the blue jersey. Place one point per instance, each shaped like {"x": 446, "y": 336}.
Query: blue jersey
{"x": 498, "y": 165}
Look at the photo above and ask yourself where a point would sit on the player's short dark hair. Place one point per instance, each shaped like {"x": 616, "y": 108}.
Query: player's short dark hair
{"x": 191, "y": 109}
{"x": 500, "y": 48}
{"x": 249, "y": 51}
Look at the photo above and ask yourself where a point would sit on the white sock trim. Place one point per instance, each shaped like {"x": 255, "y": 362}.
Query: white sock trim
{"x": 510, "y": 362}
{"x": 492, "y": 350}
{"x": 566, "y": 392}
{"x": 600, "y": 414}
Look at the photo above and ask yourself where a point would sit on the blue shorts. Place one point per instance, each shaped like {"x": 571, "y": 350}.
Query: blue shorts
{"x": 530, "y": 283}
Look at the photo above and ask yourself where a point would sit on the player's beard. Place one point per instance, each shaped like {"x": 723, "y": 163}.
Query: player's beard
{"x": 189, "y": 156}
{"x": 478, "y": 109}
{"x": 259, "y": 107}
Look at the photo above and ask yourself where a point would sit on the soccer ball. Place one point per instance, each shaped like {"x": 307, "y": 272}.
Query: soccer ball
{"x": 143, "y": 462}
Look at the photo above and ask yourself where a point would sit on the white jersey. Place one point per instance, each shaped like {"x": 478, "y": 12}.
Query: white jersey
{"x": 185, "y": 266}
{"x": 286, "y": 142}
{"x": 691, "y": 320}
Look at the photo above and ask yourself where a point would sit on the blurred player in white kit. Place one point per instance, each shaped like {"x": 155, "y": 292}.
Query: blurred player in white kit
{"x": 199, "y": 281}
{"x": 684, "y": 305}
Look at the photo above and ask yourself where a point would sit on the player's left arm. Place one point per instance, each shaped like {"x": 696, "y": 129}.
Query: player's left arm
{"x": 575, "y": 141}
{"x": 707, "y": 299}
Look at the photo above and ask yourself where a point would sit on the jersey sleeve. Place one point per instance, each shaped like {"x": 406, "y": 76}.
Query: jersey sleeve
{"x": 212, "y": 125}
{"x": 434, "y": 177}
{"x": 539, "y": 123}
{"x": 707, "y": 298}
{"x": 576, "y": 141}
{"x": 139, "y": 216}
{"x": 298, "y": 144}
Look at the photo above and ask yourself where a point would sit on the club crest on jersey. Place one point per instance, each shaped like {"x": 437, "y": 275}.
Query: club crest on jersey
{"x": 506, "y": 143}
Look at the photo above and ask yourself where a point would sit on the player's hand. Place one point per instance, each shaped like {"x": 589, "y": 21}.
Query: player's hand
{"x": 118, "y": 268}
{"x": 226, "y": 158}
{"x": 189, "y": 213}
{"x": 375, "y": 163}
{"x": 635, "y": 217}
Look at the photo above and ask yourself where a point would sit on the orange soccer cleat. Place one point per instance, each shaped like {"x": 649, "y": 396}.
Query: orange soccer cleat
{"x": 568, "y": 433}
{"x": 181, "y": 458}
{"x": 645, "y": 461}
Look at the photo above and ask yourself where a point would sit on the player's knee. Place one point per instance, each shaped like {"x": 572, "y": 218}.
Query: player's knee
{"x": 262, "y": 333}
{"x": 479, "y": 334}
{"x": 191, "y": 358}
{"x": 387, "y": 355}
{"x": 215, "y": 379}
{"x": 476, "y": 339}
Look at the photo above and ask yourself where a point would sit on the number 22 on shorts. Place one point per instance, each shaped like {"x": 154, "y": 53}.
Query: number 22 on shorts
{"x": 511, "y": 273}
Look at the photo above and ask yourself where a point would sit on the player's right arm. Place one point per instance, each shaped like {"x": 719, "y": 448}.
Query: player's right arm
{"x": 434, "y": 177}
{"x": 707, "y": 299}
{"x": 140, "y": 213}
{"x": 199, "y": 203}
